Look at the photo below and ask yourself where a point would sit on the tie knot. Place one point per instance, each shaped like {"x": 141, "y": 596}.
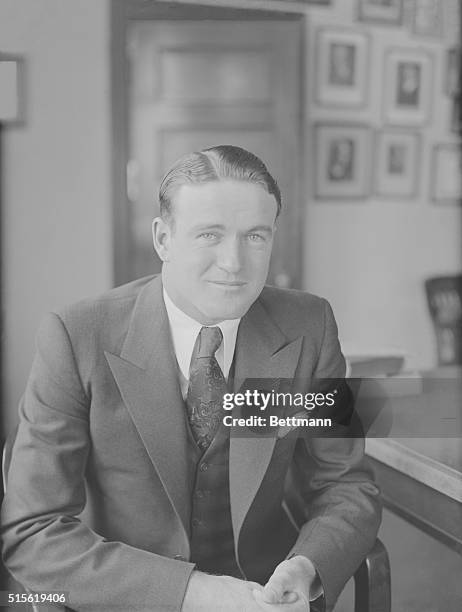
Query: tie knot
{"x": 210, "y": 339}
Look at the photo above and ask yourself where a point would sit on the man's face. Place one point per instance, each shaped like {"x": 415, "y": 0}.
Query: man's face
{"x": 217, "y": 251}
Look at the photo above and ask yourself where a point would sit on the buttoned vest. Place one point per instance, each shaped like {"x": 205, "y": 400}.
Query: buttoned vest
{"x": 211, "y": 531}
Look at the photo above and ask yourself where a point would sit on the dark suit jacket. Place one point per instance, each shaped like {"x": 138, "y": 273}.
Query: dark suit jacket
{"x": 97, "y": 502}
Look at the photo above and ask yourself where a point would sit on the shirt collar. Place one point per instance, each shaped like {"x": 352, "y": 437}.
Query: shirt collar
{"x": 185, "y": 330}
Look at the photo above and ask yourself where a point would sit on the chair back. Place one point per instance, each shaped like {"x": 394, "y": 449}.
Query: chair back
{"x": 444, "y": 297}
{"x": 6, "y": 456}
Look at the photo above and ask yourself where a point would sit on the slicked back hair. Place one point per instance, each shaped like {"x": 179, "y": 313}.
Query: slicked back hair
{"x": 219, "y": 163}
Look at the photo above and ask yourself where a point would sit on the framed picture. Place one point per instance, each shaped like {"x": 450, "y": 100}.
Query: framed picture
{"x": 456, "y": 116}
{"x": 341, "y": 67}
{"x": 453, "y": 75}
{"x": 447, "y": 173}
{"x": 342, "y": 154}
{"x": 381, "y": 11}
{"x": 408, "y": 86}
{"x": 427, "y": 19}
{"x": 12, "y": 95}
{"x": 397, "y": 164}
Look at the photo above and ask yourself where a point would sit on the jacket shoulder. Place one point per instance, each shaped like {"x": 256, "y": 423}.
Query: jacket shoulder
{"x": 101, "y": 321}
{"x": 110, "y": 302}
{"x": 287, "y": 303}
{"x": 296, "y": 312}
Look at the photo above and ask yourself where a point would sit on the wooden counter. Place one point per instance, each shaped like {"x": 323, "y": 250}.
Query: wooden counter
{"x": 421, "y": 477}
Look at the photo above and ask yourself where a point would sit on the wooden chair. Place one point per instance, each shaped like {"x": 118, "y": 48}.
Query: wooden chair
{"x": 372, "y": 579}
{"x": 373, "y": 582}
{"x": 372, "y": 592}
{"x": 444, "y": 298}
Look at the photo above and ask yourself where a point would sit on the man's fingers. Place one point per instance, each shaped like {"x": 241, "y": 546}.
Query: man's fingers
{"x": 272, "y": 593}
{"x": 291, "y": 602}
{"x": 306, "y": 601}
{"x": 277, "y": 585}
{"x": 289, "y": 597}
{"x": 262, "y": 600}
{"x": 254, "y": 586}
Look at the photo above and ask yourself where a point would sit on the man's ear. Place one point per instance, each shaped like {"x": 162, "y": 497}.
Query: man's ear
{"x": 161, "y": 234}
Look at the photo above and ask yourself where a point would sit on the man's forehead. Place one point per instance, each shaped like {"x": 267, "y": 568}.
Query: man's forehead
{"x": 221, "y": 199}
{"x": 220, "y": 187}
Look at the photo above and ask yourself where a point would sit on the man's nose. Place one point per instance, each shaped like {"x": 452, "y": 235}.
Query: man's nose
{"x": 229, "y": 256}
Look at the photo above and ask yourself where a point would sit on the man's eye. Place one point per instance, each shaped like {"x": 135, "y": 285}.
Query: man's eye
{"x": 207, "y": 235}
{"x": 256, "y": 238}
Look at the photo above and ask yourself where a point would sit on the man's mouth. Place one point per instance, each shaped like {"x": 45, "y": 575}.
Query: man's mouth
{"x": 228, "y": 284}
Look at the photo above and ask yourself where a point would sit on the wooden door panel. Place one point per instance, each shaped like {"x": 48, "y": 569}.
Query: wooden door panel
{"x": 206, "y": 75}
{"x": 198, "y": 84}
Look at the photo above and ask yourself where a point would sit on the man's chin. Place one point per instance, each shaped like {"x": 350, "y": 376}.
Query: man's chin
{"x": 226, "y": 314}
{"x": 227, "y": 309}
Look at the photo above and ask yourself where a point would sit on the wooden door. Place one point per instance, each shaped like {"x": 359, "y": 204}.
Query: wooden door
{"x": 195, "y": 84}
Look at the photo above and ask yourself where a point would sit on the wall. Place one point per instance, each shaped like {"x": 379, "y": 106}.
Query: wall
{"x": 56, "y": 171}
{"x": 370, "y": 258}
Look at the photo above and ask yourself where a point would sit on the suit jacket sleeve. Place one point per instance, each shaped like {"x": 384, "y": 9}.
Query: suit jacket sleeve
{"x": 341, "y": 501}
{"x": 45, "y": 545}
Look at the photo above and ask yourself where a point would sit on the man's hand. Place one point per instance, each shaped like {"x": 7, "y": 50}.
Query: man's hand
{"x": 227, "y": 594}
{"x": 290, "y": 583}
{"x": 220, "y": 593}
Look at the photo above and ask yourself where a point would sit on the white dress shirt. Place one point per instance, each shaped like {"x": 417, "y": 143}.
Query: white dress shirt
{"x": 184, "y": 331}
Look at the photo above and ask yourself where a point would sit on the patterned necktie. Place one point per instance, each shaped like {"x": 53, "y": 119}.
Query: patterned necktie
{"x": 207, "y": 385}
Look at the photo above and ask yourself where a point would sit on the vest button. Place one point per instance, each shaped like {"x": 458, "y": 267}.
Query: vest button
{"x": 199, "y": 494}
{"x": 195, "y": 522}
{"x": 204, "y": 467}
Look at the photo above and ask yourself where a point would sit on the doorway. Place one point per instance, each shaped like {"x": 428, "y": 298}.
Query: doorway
{"x": 195, "y": 77}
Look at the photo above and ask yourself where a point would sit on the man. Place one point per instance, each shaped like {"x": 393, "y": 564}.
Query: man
{"x": 125, "y": 488}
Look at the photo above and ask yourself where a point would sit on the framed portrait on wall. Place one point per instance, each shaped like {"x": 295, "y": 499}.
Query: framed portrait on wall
{"x": 408, "y": 90}
{"x": 446, "y": 178}
{"x": 456, "y": 116}
{"x": 341, "y": 70}
{"x": 397, "y": 159}
{"x": 12, "y": 93}
{"x": 427, "y": 18}
{"x": 342, "y": 154}
{"x": 452, "y": 72}
{"x": 381, "y": 11}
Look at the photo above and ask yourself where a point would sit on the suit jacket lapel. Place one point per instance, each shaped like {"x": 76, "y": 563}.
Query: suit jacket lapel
{"x": 146, "y": 374}
{"x": 262, "y": 351}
